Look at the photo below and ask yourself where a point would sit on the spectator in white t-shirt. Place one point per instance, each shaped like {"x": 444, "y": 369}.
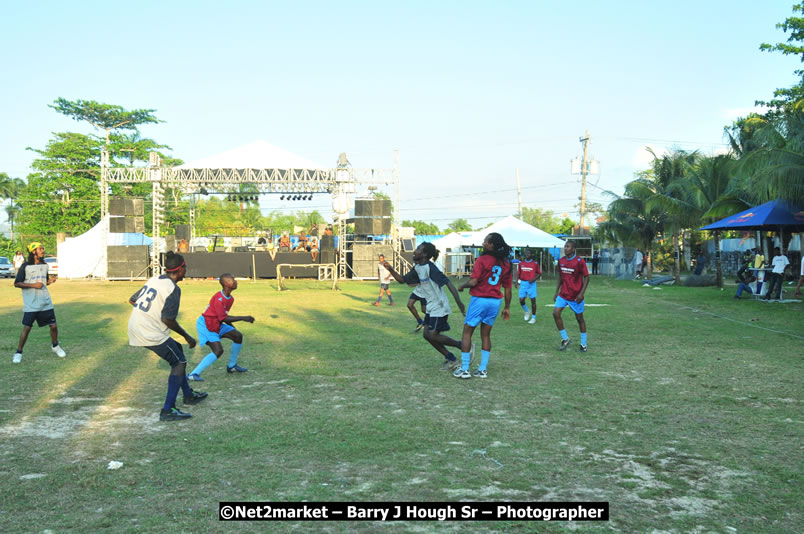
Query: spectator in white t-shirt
{"x": 779, "y": 263}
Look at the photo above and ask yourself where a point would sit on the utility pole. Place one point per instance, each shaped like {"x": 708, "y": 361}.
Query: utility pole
{"x": 584, "y": 172}
{"x": 518, "y": 195}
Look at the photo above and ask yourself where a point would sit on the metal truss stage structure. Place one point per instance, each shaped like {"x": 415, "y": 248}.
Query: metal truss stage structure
{"x": 341, "y": 181}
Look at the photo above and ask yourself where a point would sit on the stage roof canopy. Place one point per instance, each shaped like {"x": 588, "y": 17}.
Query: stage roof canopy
{"x": 257, "y": 155}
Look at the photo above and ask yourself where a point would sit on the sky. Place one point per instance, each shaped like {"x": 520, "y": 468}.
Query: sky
{"x": 467, "y": 91}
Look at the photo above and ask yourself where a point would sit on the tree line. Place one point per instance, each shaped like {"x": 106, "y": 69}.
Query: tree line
{"x": 685, "y": 190}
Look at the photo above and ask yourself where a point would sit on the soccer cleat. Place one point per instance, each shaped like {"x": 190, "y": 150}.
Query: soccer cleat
{"x": 418, "y": 328}
{"x": 195, "y": 397}
{"x": 195, "y": 377}
{"x": 58, "y": 351}
{"x": 527, "y": 315}
{"x": 236, "y": 369}
{"x": 17, "y": 357}
{"x": 480, "y": 374}
{"x": 532, "y": 320}
{"x": 449, "y": 365}
{"x": 390, "y": 303}
{"x": 564, "y": 344}
{"x": 460, "y": 373}
{"x": 174, "y": 414}
{"x": 376, "y": 304}
{"x": 582, "y": 348}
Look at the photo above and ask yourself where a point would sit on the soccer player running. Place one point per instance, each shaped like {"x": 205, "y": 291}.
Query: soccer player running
{"x": 492, "y": 270}
{"x": 572, "y": 281}
{"x": 385, "y": 282}
{"x": 37, "y": 306}
{"x": 216, "y": 323}
{"x": 156, "y": 306}
{"x": 529, "y": 272}
{"x": 414, "y": 297}
{"x": 430, "y": 282}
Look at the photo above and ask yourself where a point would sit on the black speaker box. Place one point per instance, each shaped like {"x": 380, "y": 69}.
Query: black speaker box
{"x": 326, "y": 242}
{"x": 183, "y": 232}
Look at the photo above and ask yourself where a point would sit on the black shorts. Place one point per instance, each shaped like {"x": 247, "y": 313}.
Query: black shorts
{"x": 42, "y": 318}
{"x": 170, "y": 351}
{"x": 436, "y": 324}
{"x": 414, "y": 296}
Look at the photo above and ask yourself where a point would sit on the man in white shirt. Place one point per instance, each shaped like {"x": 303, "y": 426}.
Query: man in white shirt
{"x": 779, "y": 263}
{"x": 385, "y": 282}
{"x": 638, "y": 263}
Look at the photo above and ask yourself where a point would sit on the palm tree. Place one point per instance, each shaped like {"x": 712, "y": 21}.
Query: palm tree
{"x": 713, "y": 191}
{"x": 630, "y": 221}
{"x": 669, "y": 197}
{"x": 12, "y": 210}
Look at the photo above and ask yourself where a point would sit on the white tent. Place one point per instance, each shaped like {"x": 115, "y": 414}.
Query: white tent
{"x": 453, "y": 242}
{"x": 82, "y": 256}
{"x": 257, "y": 155}
{"x": 516, "y": 233}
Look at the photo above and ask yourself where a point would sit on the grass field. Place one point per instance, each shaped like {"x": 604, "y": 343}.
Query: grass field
{"x": 685, "y": 414}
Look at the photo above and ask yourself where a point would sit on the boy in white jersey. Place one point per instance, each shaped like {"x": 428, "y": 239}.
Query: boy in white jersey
{"x": 156, "y": 306}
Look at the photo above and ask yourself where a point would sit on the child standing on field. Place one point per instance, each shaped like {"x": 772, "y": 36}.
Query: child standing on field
{"x": 216, "y": 323}
{"x": 492, "y": 270}
{"x": 529, "y": 272}
{"x": 572, "y": 282}
{"x": 385, "y": 282}
{"x": 430, "y": 282}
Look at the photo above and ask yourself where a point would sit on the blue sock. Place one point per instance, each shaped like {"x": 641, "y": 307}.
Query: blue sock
{"x": 484, "y": 360}
{"x": 390, "y": 298}
{"x": 451, "y": 357}
{"x": 525, "y": 307}
{"x": 235, "y": 352}
{"x": 186, "y": 390}
{"x": 465, "y": 359}
{"x": 206, "y": 362}
{"x": 174, "y": 383}
{"x": 563, "y": 334}
{"x": 583, "y": 338}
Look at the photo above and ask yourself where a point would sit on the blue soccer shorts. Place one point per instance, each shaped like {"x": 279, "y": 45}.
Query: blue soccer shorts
{"x": 482, "y": 310}
{"x": 205, "y": 336}
{"x": 527, "y": 289}
{"x": 577, "y": 307}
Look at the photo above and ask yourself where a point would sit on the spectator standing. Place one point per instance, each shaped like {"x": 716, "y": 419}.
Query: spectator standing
{"x": 595, "y": 261}
{"x": 779, "y": 263}
{"x": 800, "y": 279}
{"x": 18, "y": 260}
{"x": 638, "y": 256}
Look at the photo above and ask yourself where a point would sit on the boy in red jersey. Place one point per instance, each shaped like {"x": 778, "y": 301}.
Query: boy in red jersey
{"x": 529, "y": 272}
{"x": 572, "y": 281}
{"x": 492, "y": 270}
{"x": 216, "y": 323}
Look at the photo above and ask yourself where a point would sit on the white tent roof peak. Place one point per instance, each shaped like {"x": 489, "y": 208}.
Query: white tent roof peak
{"x": 256, "y": 155}
{"x": 517, "y": 234}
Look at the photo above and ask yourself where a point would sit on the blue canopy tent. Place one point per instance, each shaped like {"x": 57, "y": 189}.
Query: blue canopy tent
{"x": 776, "y": 216}
{"x": 771, "y": 216}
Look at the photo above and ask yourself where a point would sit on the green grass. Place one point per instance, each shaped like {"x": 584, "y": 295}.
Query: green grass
{"x": 685, "y": 414}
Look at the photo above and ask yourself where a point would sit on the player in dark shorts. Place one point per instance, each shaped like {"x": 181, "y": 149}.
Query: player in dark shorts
{"x": 156, "y": 306}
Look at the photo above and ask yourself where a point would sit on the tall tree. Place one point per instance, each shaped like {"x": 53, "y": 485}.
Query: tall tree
{"x": 460, "y": 225}
{"x": 104, "y": 117}
{"x": 423, "y": 228}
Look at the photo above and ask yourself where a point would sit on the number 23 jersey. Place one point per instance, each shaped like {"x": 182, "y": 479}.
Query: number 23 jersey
{"x": 490, "y": 274}
{"x": 159, "y": 298}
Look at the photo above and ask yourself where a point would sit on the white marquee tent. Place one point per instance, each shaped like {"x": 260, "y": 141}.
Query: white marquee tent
{"x": 82, "y": 256}
{"x": 516, "y": 233}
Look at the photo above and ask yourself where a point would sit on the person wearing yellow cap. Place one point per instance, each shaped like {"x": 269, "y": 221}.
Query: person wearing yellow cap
{"x": 37, "y": 305}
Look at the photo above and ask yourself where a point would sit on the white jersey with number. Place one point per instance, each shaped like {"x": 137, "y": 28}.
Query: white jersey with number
{"x": 159, "y": 298}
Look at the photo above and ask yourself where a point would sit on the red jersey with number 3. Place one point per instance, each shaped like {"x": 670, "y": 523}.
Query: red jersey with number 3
{"x": 572, "y": 271}
{"x": 217, "y": 311}
{"x": 490, "y": 274}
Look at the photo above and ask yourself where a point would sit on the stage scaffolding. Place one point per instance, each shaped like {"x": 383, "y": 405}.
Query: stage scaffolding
{"x": 340, "y": 181}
